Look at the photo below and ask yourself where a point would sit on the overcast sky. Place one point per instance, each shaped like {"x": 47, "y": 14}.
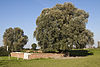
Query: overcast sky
{"x": 23, "y": 14}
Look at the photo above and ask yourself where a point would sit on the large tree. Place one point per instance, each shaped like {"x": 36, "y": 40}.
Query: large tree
{"x": 14, "y": 39}
{"x": 63, "y": 27}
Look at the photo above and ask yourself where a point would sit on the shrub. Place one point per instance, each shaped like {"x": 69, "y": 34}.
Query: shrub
{"x": 80, "y": 53}
{"x": 3, "y": 51}
{"x": 33, "y": 46}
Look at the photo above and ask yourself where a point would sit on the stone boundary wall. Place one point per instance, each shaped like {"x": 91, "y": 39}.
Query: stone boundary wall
{"x": 36, "y": 55}
{"x": 45, "y": 55}
{"x": 17, "y": 54}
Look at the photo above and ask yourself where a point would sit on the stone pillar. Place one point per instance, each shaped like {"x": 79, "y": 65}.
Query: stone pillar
{"x": 98, "y": 44}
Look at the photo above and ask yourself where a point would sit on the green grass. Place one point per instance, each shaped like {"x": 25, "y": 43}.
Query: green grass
{"x": 89, "y": 61}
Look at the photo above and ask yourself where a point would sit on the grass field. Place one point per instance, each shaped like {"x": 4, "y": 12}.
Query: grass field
{"x": 88, "y": 61}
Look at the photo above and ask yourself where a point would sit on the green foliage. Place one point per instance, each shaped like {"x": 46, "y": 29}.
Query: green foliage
{"x": 14, "y": 39}
{"x": 34, "y": 46}
{"x": 3, "y": 51}
{"x": 80, "y": 53}
{"x": 62, "y": 27}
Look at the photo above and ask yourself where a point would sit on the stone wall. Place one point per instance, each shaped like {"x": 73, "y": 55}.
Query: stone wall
{"x": 36, "y": 55}
{"x": 45, "y": 55}
{"x": 17, "y": 54}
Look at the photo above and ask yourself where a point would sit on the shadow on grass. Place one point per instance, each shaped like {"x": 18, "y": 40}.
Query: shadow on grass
{"x": 74, "y": 53}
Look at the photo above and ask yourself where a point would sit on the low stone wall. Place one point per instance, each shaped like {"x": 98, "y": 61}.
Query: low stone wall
{"x": 45, "y": 55}
{"x": 17, "y": 54}
{"x": 36, "y": 55}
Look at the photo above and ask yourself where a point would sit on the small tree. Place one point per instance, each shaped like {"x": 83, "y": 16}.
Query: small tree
{"x": 34, "y": 46}
{"x": 14, "y": 39}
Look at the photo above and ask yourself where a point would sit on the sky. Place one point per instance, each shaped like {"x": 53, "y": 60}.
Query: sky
{"x": 23, "y": 14}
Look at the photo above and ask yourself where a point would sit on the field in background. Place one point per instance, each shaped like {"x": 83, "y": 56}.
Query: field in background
{"x": 88, "y": 61}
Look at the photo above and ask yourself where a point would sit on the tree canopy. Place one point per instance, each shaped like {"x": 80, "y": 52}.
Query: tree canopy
{"x": 14, "y": 39}
{"x": 63, "y": 27}
{"x": 34, "y": 46}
